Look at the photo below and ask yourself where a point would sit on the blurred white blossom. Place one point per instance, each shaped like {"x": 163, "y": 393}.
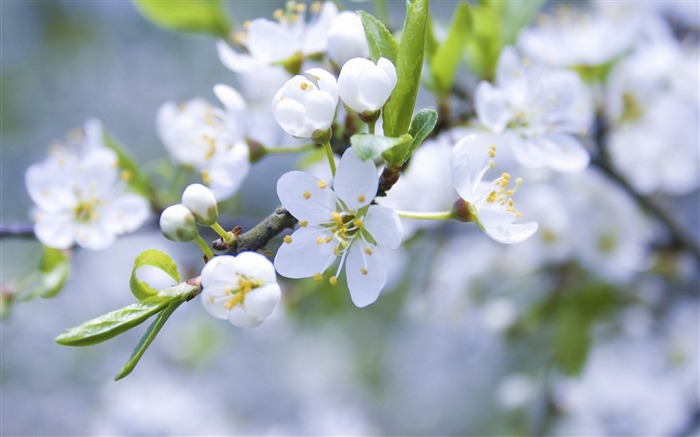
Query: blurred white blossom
{"x": 346, "y": 38}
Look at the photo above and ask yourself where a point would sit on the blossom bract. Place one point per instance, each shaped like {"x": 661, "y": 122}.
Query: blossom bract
{"x": 209, "y": 139}
{"x": 365, "y": 86}
{"x": 490, "y": 203}
{"x": 538, "y": 111}
{"x": 338, "y": 221}
{"x": 306, "y": 105}
{"x": 242, "y": 289}
{"x": 80, "y": 197}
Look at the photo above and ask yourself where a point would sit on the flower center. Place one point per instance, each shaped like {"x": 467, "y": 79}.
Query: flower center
{"x": 503, "y": 195}
{"x": 345, "y": 228}
{"x": 245, "y": 286}
{"x": 86, "y": 211}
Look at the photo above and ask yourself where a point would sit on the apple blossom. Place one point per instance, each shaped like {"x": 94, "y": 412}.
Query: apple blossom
{"x": 365, "y": 86}
{"x": 489, "y": 204}
{"x": 538, "y": 111}
{"x": 338, "y": 221}
{"x": 79, "y": 196}
{"x": 305, "y": 106}
{"x": 242, "y": 289}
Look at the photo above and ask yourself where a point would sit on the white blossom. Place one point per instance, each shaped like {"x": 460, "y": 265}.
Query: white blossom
{"x": 489, "y": 203}
{"x": 177, "y": 223}
{"x": 305, "y": 105}
{"x": 209, "y": 139}
{"x": 365, "y": 86}
{"x": 287, "y": 40}
{"x": 242, "y": 289}
{"x": 538, "y": 111}
{"x": 346, "y": 38}
{"x": 80, "y": 197}
{"x": 338, "y": 221}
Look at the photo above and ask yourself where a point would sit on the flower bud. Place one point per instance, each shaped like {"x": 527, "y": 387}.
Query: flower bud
{"x": 365, "y": 87}
{"x": 202, "y": 203}
{"x": 346, "y": 38}
{"x": 177, "y": 223}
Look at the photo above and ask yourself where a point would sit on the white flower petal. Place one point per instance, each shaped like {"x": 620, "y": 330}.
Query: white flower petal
{"x": 303, "y": 257}
{"x": 260, "y": 302}
{"x": 470, "y": 160}
{"x": 255, "y": 266}
{"x": 213, "y": 299}
{"x": 235, "y": 61}
{"x": 217, "y": 273}
{"x": 326, "y": 82}
{"x": 366, "y": 274}
{"x": 355, "y": 181}
{"x": 557, "y": 151}
{"x": 291, "y": 116}
{"x": 301, "y": 194}
{"x": 240, "y": 318}
{"x": 316, "y": 33}
{"x": 55, "y": 230}
{"x": 46, "y": 186}
{"x": 93, "y": 236}
{"x": 320, "y": 110}
{"x": 228, "y": 171}
{"x": 384, "y": 226}
{"x": 513, "y": 233}
{"x": 232, "y": 99}
{"x": 125, "y": 213}
{"x": 270, "y": 42}
{"x": 491, "y": 107}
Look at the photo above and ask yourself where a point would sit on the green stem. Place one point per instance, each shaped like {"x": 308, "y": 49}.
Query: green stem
{"x": 205, "y": 248}
{"x": 289, "y": 149}
{"x": 226, "y": 236}
{"x": 443, "y": 215}
{"x": 329, "y": 155}
{"x": 371, "y": 125}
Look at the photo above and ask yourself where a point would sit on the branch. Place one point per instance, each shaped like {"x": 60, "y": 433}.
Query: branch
{"x": 259, "y": 235}
{"x": 17, "y": 230}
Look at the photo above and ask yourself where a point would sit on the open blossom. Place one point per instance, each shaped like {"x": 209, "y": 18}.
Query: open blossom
{"x": 338, "y": 221}
{"x": 306, "y": 104}
{"x": 365, "y": 86}
{"x": 346, "y": 38}
{"x": 538, "y": 111}
{"x": 80, "y": 197}
{"x": 285, "y": 41}
{"x": 209, "y": 139}
{"x": 489, "y": 203}
{"x": 242, "y": 289}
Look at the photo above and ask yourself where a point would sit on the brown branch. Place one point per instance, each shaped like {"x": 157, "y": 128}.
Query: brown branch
{"x": 261, "y": 234}
{"x": 17, "y": 230}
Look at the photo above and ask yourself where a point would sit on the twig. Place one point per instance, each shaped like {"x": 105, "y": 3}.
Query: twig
{"x": 260, "y": 235}
{"x": 17, "y": 230}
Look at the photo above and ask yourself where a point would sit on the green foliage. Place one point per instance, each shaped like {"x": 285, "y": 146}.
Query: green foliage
{"x": 445, "y": 60}
{"x": 398, "y": 111}
{"x": 381, "y": 43}
{"x": 131, "y": 172}
{"x": 153, "y": 258}
{"x": 423, "y": 123}
{"x": 51, "y": 276}
{"x": 147, "y": 339}
{"x": 369, "y": 146}
{"x": 205, "y": 16}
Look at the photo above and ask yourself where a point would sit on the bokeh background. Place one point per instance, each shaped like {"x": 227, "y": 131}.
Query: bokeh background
{"x": 431, "y": 357}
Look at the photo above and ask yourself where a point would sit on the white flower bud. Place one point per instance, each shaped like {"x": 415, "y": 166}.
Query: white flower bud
{"x": 306, "y": 105}
{"x": 202, "y": 203}
{"x": 365, "y": 87}
{"x": 177, "y": 223}
{"x": 346, "y": 38}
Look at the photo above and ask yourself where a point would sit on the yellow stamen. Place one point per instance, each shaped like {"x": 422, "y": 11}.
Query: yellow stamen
{"x": 364, "y": 271}
{"x": 304, "y": 86}
{"x": 318, "y": 277}
{"x": 307, "y": 195}
{"x": 368, "y": 251}
{"x": 322, "y": 184}
{"x": 287, "y": 239}
{"x": 361, "y": 198}
{"x": 333, "y": 280}
{"x": 303, "y": 223}
{"x": 320, "y": 240}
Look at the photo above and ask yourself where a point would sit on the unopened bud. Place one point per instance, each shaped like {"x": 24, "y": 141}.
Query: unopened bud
{"x": 177, "y": 223}
{"x": 202, "y": 203}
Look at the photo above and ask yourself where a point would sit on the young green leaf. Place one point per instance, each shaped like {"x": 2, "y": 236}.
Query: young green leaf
{"x": 54, "y": 269}
{"x": 371, "y": 146}
{"x": 186, "y": 15}
{"x": 398, "y": 111}
{"x": 443, "y": 65}
{"x": 131, "y": 172}
{"x": 379, "y": 39}
{"x": 111, "y": 324}
{"x": 154, "y": 258}
{"x": 423, "y": 123}
{"x": 147, "y": 339}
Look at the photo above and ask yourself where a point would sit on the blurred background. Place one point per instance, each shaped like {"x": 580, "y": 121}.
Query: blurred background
{"x": 447, "y": 349}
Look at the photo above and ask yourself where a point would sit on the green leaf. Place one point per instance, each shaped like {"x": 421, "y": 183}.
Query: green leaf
{"x": 54, "y": 269}
{"x": 131, "y": 172}
{"x": 186, "y": 15}
{"x": 154, "y": 258}
{"x": 444, "y": 63}
{"x": 423, "y": 123}
{"x": 379, "y": 39}
{"x": 369, "y": 146}
{"x": 111, "y": 324}
{"x": 571, "y": 340}
{"x": 147, "y": 339}
{"x": 515, "y": 14}
{"x": 485, "y": 45}
{"x": 398, "y": 111}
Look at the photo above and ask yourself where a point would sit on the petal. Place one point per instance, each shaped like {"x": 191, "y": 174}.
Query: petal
{"x": 470, "y": 160}
{"x": 97, "y": 172}
{"x": 48, "y": 186}
{"x": 228, "y": 171}
{"x": 260, "y": 302}
{"x": 326, "y": 81}
{"x": 213, "y": 299}
{"x": 513, "y": 233}
{"x": 301, "y": 194}
{"x": 126, "y": 213}
{"x": 55, "y": 230}
{"x": 315, "y": 35}
{"x": 389, "y": 69}
{"x": 366, "y": 274}
{"x": 355, "y": 181}
{"x": 384, "y": 226}
{"x": 235, "y": 61}
{"x": 320, "y": 109}
{"x": 232, "y": 99}
{"x": 303, "y": 257}
{"x": 255, "y": 265}
{"x": 269, "y": 42}
{"x": 94, "y": 236}
{"x": 557, "y": 151}
{"x": 291, "y": 116}
{"x": 219, "y": 272}
{"x": 491, "y": 107}
{"x": 240, "y": 318}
